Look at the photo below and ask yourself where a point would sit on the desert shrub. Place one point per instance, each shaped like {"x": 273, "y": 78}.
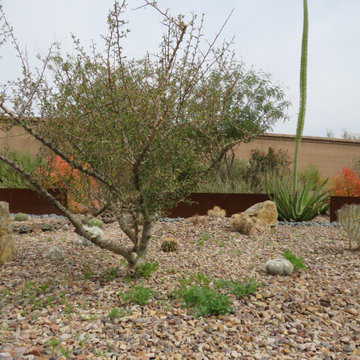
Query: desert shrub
{"x": 349, "y": 223}
{"x": 21, "y": 217}
{"x": 264, "y": 166}
{"x": 347, "y": 184}
{"x": 57, "y": 173}
{"x": 169, "y": 245}
{"x": 298, "y": 262}
{"x": 220, "y": 180}
{"x": 311, "y": 173}
{"x": 10, "y": 178}
{"x": 96, "y": 222}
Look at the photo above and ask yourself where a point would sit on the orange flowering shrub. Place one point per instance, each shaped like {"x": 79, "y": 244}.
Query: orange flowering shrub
{"x": 60, "y": 174}
{"x": 348, "y": 184}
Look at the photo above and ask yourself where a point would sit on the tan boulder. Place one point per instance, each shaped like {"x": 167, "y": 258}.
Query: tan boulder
{"x": 259, "y": 218}
{"x": 7, "y": 238}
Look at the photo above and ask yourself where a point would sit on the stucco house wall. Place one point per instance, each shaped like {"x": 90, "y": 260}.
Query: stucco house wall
{"x": 327, "y": 154}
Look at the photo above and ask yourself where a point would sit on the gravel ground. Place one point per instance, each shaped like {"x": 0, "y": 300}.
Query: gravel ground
{"x": 313, "y": 314}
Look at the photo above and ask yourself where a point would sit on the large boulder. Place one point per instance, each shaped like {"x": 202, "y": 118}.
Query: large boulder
{"x": 259, "y": 218}
{"x": 7, "y": 238}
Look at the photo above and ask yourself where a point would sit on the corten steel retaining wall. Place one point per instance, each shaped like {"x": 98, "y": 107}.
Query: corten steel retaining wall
{"x": 336, "y": 202}
{"x": 202, "y": 202}
{"x": 29, "y": 202}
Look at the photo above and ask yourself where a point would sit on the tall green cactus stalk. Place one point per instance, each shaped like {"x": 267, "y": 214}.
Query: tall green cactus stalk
{"x": 303, "y": 89}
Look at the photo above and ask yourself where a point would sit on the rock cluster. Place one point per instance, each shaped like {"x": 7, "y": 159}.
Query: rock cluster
{"x": 259, "y": 218}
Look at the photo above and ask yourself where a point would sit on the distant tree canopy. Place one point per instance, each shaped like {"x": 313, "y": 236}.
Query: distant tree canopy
{"x": 144, "y": 131}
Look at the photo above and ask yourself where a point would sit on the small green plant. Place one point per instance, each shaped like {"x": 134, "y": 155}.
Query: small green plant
{"x": 146, "y": 269}
{"x": 169, "y": 245}
{"x": 82, "y": 339}
{"x": 21, "y": 217}
{"x": 206, "y": 301}
{"x": 54, "y": 343}
{"x": 69, "y": 308}
{"x": 204, "y": 237}
{"x": 65, "y": 352}
{"x": 298, "y": 262}
{"x": 116, "y": 313}
{"x": 112, "y": 273}
{"x": 349, "y": 223}
{"x": 49, "y": 239}
{"x": 96, "y": 222}
{"x": 88, "y": 273}
{"x": 247, "y": 287}
{"x": 138, "y": 295}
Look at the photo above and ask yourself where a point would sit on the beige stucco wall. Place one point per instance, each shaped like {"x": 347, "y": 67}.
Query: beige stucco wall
{"x": 328, "y": 155}
{"x": 17, "y": 139}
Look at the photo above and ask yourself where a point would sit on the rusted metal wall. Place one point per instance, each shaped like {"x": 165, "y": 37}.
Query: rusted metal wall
{"x": 336, "y": 202}
{"x": 202, "y": 202}
{"x": 29, "y": 202}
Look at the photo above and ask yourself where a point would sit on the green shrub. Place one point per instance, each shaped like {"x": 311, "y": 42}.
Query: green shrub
{"x": 96, "y": 222}
{"x": 298, "y": 262}
{"x": 264, "y": 166}
{"x": 310, "y": 174}
{"x": 21, "y": 217}
{"x": 248, "y": 287}
{"x": 10, "y": 178}
{"x": 138, "y": 295}
{"x": 206, "y": 301}
{"x": 146, "y": 269}
{"x": 301, "y": 203}
{"x": 169, "y": 245}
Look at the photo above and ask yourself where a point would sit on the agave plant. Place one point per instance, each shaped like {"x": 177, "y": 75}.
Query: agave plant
{"x": 301, "y": 203}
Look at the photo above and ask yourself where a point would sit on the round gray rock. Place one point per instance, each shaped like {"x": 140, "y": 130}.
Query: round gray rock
{"x": 279, "y": 267}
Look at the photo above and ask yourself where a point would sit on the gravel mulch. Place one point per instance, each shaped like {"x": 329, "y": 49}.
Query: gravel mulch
{"x": 71, "y": 308}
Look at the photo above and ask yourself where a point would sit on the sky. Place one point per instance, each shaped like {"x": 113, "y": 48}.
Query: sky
{"x": 267, "y": 37}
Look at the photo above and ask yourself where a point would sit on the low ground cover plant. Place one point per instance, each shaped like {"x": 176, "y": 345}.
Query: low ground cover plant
{"x": 298, "y": 262}
{"x": 137, "y": 295}
{"x": 202, "y": 293}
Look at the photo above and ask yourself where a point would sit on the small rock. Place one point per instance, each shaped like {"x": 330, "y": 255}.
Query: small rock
{"x": 54, "y": 253}
{"x": 33, "y": 351}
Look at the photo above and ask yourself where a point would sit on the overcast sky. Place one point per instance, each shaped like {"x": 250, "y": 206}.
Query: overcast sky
{"x": 267, "y": 37}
